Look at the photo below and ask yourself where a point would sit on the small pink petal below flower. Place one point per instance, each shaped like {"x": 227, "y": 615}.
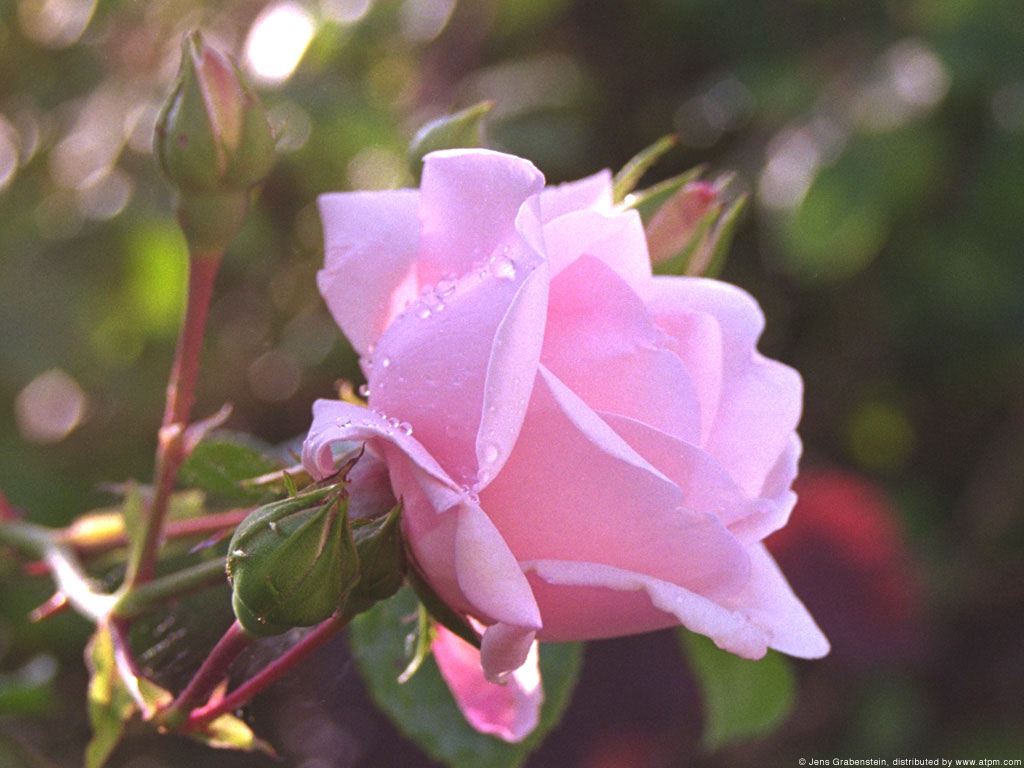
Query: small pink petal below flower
{"x": 509, "y": 711}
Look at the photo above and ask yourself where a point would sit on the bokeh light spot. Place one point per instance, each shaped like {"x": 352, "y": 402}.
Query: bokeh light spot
{"x": 49, "y": 407}
{"x": 277, "y": 40}
{"x": 345, "y": 11}
{"x": 274, "y": 376}
{"x": 55, "y": 23}
{"x": 879, "y": 436}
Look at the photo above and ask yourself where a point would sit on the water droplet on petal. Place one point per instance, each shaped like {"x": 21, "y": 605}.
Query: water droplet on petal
{"x": 406, "y": 428}
{"x": 491, "y": 453}
{"x": 385, "y": 362}
{"x": 445, "y": 287}
{"x": 364, "y": 390}
{"x": 423, "y": 313}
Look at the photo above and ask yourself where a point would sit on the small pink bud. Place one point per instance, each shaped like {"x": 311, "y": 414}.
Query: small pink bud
{"x": 672, "y": 229}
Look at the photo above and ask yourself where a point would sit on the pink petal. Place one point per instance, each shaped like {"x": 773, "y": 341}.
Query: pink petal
{"x": 769, "y": 602}
{"x": 509, "y": 711}
{"x": 574, "y": 490}
{"x": 617, "y": 596}
{"x": 593, "y": 192}
{"x": 469, "y": 199}
{"x": 602, "y": 342}
{"x": 706, "y": 486}
{"x": 618, "y": 241}
{"x": 459, "y": 365}
{"x": 458, "y": 549}
{"x": 370, "y": 242}
{"x": 760, "y": 399}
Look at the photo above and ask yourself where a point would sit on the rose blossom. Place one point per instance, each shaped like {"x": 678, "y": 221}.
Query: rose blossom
{"x": 583, "y": 450}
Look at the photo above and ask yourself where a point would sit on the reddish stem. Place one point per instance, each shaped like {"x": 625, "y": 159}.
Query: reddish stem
{"x": 170, "y": 450}
{"x": 265, "y": 677}
{"x": 210, "y": 674}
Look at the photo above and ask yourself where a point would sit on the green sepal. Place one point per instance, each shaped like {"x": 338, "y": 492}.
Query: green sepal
{"x": 440, "y": 611}
{"x": 629, "y": 176}
{"x": 648, "y": 201}
{"x": 381, "y": 560}
{"x": 721, "y": 238}
{"x": 461, "y": 129}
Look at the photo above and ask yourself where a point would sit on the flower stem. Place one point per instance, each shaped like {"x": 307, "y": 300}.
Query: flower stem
{"x": 171, "y": 448}
{"x": 61, "y": 562}
{"x": 144, "y": 596}
{"x": 210, "y": 674}
{"x": 266, "y": 676}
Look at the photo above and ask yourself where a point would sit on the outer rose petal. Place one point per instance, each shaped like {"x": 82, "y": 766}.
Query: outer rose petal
{"x": 593, "y": 192}
{"x": 509, "y": 711}
{"x": 642, "y": 601}
{"x": 769, "y": 602}
{"x": 765, "y": 615}
{"x": 469, "y": 199}
{"x": 760, "y": 400}
{"x": 460, "y": 551}
{"x": 370, "y": 242}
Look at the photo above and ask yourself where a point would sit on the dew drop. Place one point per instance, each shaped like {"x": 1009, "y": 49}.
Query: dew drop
{"x": 504, "y": 269}
{"x": 423, "y": 313}
{"x": 406, "y": 428}
{"x": 273, "y": 527}
{"x": 445, "y": 287}
{"x": 239, "y": 553}
{"x": 385, "y": 362}
{"x": 364, "y": 390}
{"x": 491, "y": 453}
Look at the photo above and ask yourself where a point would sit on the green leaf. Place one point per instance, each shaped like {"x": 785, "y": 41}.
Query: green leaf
{"x": 28, "y": 690}
{"x": 220, "y": 464}
{"x": 437, "y": 608}
{"x": 110, "y": 704}
{"x": 230, "y": 732}
{"x": 625, "y": 180}
{"x": 742, "y": 698}
{"x": 424, "y": 709}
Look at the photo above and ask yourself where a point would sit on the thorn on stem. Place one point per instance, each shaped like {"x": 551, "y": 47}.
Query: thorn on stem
{"x": 56, "y": 604}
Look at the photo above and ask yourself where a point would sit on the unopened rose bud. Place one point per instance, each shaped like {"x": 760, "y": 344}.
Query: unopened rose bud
{"x": 381, "y": 560}
{"x": 293, "y": 563}
{"x": 675, "y": 225}
{"x": 214, "y": 143}
{"x": 691, "y": 232}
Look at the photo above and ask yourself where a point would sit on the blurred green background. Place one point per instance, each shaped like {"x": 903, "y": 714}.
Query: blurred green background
{"x": 882, "y": 143}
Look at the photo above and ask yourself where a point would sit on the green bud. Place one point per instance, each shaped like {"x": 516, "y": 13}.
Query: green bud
{"x": 293, "y": 562}
{"x": 214, "y": 143}
{"x": 381, "y": 560}
{"x": 212, "y": 135}
{"x": 462, "y": 129}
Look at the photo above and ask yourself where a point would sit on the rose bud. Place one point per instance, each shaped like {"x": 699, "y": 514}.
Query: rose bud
{"x": 381, "y": 560}
{"x": 213, "y": 142}
{"x": 293, "y": 563}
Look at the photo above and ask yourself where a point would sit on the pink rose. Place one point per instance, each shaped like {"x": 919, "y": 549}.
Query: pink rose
{"x": 583, "y": 450}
